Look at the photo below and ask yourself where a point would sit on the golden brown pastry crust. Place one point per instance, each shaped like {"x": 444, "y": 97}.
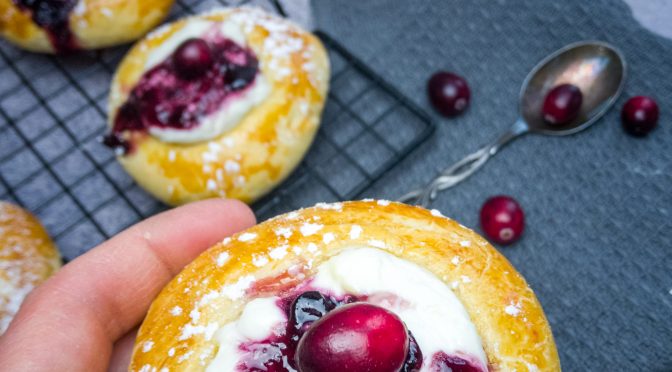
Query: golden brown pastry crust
{"x": 506, "y": 313}
{"x": 267, "y": 144}
{"x": 99, "y": 23}
{"x": 27, "y": 258}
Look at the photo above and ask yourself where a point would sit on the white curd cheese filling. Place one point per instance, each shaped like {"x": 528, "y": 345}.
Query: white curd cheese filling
{"x": 429, "y": 308}
{"x": 233, "y": 109}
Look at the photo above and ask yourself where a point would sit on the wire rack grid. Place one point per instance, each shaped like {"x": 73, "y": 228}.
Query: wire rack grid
{"x": 53, "y": 112}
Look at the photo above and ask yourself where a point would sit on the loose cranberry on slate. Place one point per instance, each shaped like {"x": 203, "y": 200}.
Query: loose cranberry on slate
{"x": 502, "y": 219}
{"x": 448, "y": 93}
{"x": 640, "y": 115}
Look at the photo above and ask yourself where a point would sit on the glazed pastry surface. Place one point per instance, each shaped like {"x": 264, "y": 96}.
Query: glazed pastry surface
{"x": 243, "y": 159}
{"x": 27, "y": 258}
{"x": 184, "y": 325}
{"x": 68, "y": 25}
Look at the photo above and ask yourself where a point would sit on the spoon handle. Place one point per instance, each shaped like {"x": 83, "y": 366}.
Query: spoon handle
{"x": 464, "y": 168}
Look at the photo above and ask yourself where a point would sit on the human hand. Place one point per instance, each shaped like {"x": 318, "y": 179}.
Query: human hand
{"x": 85, "y": 317}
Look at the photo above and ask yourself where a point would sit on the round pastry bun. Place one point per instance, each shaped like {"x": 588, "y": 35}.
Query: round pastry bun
{"x": 94, "y": 23}
{"x": 268, "y": 142}
{"x": 517, "y": 340}
{"x": 27, "y": 258}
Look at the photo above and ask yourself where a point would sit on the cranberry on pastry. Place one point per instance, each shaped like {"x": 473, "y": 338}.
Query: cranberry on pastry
{"x": 27, "y": 258}
{"x": 60, "y": 26}
{"x": 356, "y": 286}
{"x": 219, "y": 104}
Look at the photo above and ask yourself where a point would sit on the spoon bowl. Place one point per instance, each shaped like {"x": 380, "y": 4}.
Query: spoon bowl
{"x": 595, "y": 67}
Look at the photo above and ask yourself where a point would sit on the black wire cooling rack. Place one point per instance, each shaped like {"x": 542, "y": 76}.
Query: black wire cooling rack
{"x": 53, "y": 112}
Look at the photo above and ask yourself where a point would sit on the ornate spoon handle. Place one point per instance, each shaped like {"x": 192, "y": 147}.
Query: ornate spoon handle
{"x": 464, "y": 168}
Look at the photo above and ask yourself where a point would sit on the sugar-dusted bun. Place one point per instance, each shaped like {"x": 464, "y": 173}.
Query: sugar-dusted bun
{"x": 245, "y": 158}
{"x": 27, "y": 258}
{"x": 85, "y": 24}
{"x": 187, "y": 324}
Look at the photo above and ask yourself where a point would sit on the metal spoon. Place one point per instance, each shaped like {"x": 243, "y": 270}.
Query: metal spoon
{"x": 597, "y": 68}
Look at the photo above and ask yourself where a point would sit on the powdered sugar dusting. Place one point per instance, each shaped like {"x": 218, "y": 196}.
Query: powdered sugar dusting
{"x": 176, "y": 311}
{"x": 259, "y": 260}
{"x": 246, "y": 237}
{"x": 513, "y": 309}
{"x": 223, "y": 258}
{"x": 308, "y": 229}
{"x": 377, "y": 243}
{"x": 279, "y": 252}
{"x": 147, "y": 346}
{"x": 328, "y": 238}
{"x": 237, "y": 290}
{"x": 355, "y": 232}
{"x": 332, "y": 206}
{"x": 465, "y": 243}
{"x": 281, "y": 42}
{"x": 147, "y": 368}
{"x": 285, "y": 232}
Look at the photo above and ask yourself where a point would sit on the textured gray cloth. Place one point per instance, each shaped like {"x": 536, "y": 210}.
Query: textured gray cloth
{"x": 597, "y": 248}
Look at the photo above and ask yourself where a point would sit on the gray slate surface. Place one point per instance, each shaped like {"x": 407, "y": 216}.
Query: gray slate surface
{"x": 598, "y": 243}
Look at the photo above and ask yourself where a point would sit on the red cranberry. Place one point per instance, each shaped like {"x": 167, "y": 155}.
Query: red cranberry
{"x": 192, "y": 58}
{"x": 449, "y": 93}
{"x": 356, "y": 337}
{"x": 640, "y": 115}
{"x": 562, "y": 104}
{"x": 502, "y": 219}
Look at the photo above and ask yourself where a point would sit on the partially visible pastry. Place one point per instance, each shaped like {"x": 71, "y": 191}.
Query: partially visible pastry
{"x": 27, "y": 258}
{"x": 60, "y": 26}
{"x": 359, "y": 286}
{"x": 219, "y": 104}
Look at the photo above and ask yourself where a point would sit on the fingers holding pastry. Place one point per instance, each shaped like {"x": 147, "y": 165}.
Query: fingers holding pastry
{"x": 104, "y": 293}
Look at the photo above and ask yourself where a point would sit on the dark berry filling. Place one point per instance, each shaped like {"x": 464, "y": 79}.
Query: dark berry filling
{"x": 413, "y": 361}
{"x": 307, "y": 308}
{"x": 53, "y": 16}
{"x": 193, "y": 83}
{"x": 277, "y": 353}
{"x": 311, "y": 318}
{"x": 442, "y": 362}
